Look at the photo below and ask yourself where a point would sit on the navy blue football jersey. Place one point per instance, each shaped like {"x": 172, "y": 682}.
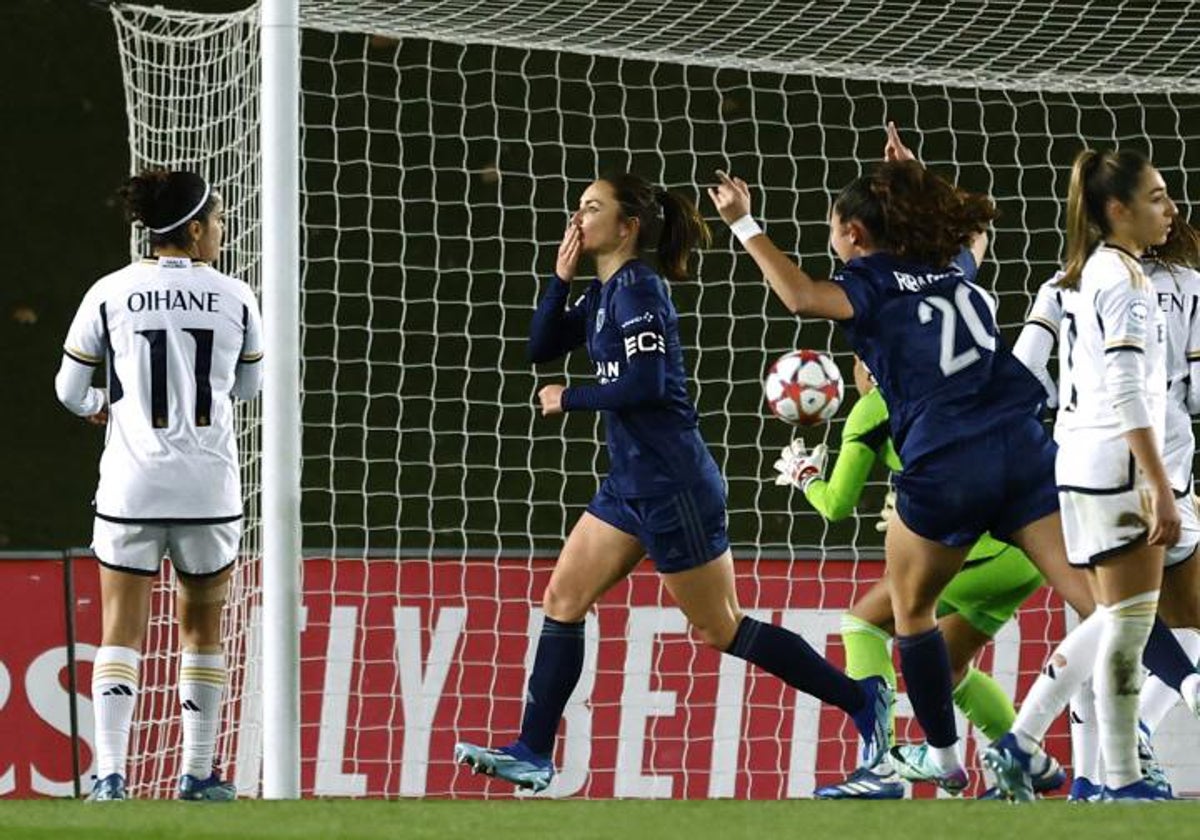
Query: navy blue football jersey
{"x": 631, "y": 330}
{"x": 930, "y": 338}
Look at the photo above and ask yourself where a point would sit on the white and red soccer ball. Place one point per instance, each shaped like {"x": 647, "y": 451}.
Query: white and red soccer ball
{"x": 804, "y": 387}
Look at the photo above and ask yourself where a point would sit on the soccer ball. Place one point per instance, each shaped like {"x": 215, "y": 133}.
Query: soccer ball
{"x": 804, "y": 387}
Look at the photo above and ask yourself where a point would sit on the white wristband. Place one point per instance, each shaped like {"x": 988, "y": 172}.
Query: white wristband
{"x": 745, "y": 228}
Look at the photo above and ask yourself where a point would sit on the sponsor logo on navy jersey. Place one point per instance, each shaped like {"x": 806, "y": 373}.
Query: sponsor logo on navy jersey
{"x": 644, "y": 318}
{"x": 644, "y": 342}
{"x": 599, "y": 321}
{"x": 607, "y": 371}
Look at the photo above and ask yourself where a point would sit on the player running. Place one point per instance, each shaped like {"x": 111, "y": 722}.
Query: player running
{"x": 961, "y": 406}
{"x": 1119, "y": 509}
{"x": 664, "y": 495}
{"x": 996, "y": 578}
{"x": 178, "y": 340}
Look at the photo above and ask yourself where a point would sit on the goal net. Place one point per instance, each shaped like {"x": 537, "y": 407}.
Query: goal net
{"x": 443, "y": 145}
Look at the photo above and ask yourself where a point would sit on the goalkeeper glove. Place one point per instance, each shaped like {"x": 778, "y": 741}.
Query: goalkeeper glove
{"x": 799, "y": 467}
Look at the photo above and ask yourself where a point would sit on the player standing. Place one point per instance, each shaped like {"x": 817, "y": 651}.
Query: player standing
{"x": 1119, "y": 511}
{"x": 664, "y": 495}
{"x": 961, "y": 407}
{"x": 178, "y": 340}
{"x": 1171, "y": 268}
{"x": 1174, "y": 270}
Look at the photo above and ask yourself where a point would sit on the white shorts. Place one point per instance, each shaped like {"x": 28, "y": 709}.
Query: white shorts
{"x": 1189, "y": 531}
{"x": 196, "y": 550}
{"x": 1097, "y": 526}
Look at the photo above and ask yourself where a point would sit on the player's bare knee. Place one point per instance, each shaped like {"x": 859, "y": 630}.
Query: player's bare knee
{"x": 201, "y": 602}
{"x": 717, "y": 634}
{"x": 560, "y": 604}
{"x": 207, "y": 594}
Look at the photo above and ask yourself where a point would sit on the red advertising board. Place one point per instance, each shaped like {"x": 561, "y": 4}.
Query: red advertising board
{"x": 402, "y": 658}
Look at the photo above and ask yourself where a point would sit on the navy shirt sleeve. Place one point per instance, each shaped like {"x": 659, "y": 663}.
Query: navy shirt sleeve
{"x": 641, "y": 311}
{"x": 556, "y": 329}
{"x": 966, "y": 261}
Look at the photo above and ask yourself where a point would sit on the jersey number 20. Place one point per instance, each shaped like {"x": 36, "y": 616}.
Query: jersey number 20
{"x": 157, "y": 339}
{"x": 952, "y": 362}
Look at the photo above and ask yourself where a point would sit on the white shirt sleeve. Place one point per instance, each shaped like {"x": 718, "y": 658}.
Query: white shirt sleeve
{"x": 1193, "y": 348}
{"x": 248, "y": 377}
{"x": 83, "y": 351}
{"x": 1033, "y": 348}
{"x": 1035, "y": 344}
{"x": 73, "y": 384}
{"x": 1125, "y": 316}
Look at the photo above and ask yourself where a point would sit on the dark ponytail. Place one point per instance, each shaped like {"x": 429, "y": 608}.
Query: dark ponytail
{"x": 668, "y": 223}
{"x": 164, "y": 202}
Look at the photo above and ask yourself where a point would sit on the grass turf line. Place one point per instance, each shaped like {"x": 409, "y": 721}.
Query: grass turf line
{"x": 568, "y": 820}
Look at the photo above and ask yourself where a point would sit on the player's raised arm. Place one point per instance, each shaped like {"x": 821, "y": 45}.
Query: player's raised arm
{"x": 798, "y": 291}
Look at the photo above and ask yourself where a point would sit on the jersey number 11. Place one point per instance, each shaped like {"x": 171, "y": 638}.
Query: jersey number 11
{"x": 157, "y": 339}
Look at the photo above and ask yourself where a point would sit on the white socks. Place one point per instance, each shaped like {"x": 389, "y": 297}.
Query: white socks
{"x": 114, "y": 696}
{"x": 1085, "y": 735}
{"x": 1117, "y": 682}
{"x": 1070, "y": 664}
{"x": 201, "y": 684}
{"x": 944, "y": 758}
{"x": 1157, "y": 698}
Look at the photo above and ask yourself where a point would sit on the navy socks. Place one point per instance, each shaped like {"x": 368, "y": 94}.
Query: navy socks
{"x": 1164, "y": 657}
{"x": 786, "y": 655}
{"x": 556, "y": 670}
{"x": 926, "y": 666}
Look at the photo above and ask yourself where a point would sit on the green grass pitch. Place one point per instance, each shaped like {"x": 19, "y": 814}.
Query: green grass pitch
{"x": 625, "y": 820}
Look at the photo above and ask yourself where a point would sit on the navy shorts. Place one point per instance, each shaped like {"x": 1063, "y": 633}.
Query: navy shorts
{"x": 679, "y": 531}
{"x": 999, "y": 481}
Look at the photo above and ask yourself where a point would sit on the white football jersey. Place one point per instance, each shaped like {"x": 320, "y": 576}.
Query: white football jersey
{"x": 1035, "y": 346}
{"x": 172, "y": 333}
{"x": 1112, "y": 320}
{"x": 1047, "y": 307}
{"x": 1178, "y": 292}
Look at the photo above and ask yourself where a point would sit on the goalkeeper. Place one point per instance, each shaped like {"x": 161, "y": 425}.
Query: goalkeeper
{"x": 995, "y": 579}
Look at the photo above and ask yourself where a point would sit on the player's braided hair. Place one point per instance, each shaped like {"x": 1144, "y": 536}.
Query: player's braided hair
{"x": 667, "y": 222}
{"x": 160, "y": 198}
{"x": 1095, "y": 178}
{"x": 914, "y": 214}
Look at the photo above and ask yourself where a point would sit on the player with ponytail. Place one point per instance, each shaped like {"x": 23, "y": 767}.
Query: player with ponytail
{"x": 961, "y": 407}
{"x": 664, "y": 496}
{"x": 1120, "y": 509}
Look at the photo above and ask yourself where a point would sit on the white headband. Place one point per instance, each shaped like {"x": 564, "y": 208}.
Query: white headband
{"x": 188, "y": 215}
